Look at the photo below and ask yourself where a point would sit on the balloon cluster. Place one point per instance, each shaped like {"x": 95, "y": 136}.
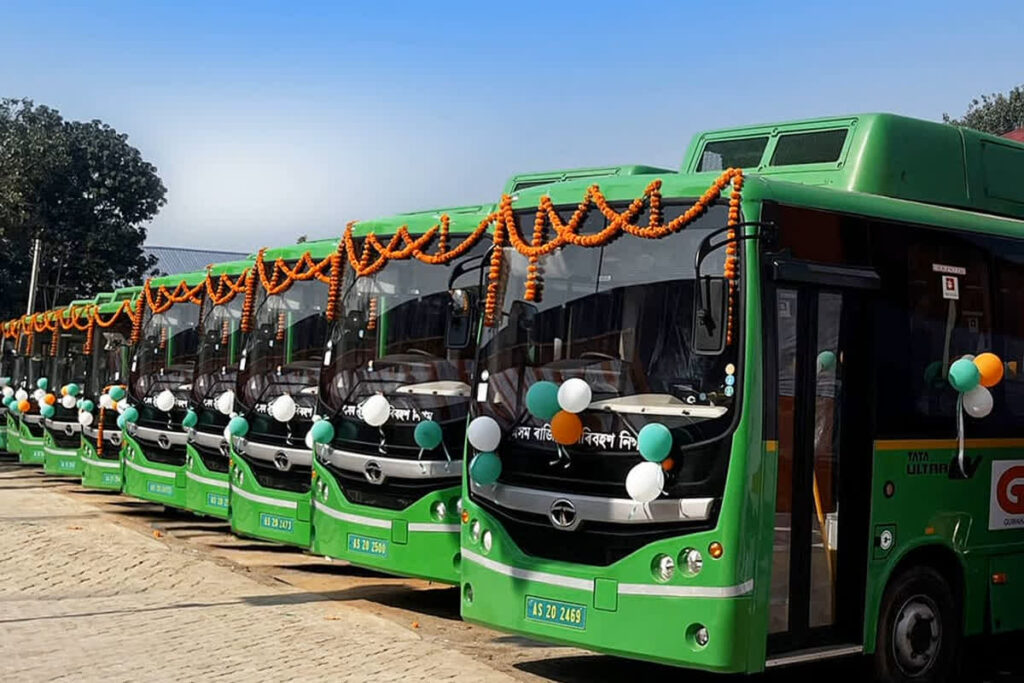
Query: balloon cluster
{"x": 646, "y": 480}
{"x": 560, "y": 405}
{"x": 973, "y": 376}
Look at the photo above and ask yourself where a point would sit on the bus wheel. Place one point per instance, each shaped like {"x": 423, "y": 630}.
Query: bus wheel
{"x": 918, "y": 629}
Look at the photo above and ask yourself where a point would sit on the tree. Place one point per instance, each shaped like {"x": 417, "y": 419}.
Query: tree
{"x": 996, "y": 113}
{"x": 85, "y": 192}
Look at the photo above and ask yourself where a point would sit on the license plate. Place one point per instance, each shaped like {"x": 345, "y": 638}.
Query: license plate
{"x": 111, "y": 478}
{"x": 66, "y": 464}
{"x": 159, "y": 489}
{"x": 217, "y": 500}
{"x": 276, "y": 522}
{"x": 555, "y": 612}
{"x": 367, "y": 546}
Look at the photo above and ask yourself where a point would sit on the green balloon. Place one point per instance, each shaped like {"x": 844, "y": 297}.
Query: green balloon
{"x": 933, "y": 373}
{"x": 542, "y": 400}
{"x": 42, "y": 383}
{"x": 13, "y": 407}
{"x": 427, "y": 435}
{"x": 117, "y": 393}
{"x": 485, "y": 468}
{"x": 190, "y": 420}
{"x": 654, "y": 442}
{"x": 238, "y": 426}
{"x": 47, "y": 410}
{"x": 131, "y": 414}
{"x": 322, "y": 431}
{"x": 964, "y": 375}
{"x": 826, "y": 360}
{"x": 120, "y": 421}
{"x": 88, "y": 406}
{"x": 73, "y": 389}
{"x": 8, "y": 400}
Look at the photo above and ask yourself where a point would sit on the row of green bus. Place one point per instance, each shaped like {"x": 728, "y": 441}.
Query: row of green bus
{"x": 758, "y": 411}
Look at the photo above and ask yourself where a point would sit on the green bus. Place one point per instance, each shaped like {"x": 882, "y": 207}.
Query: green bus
{"x": 291, "y": 304}
{"x": 36, "y": 349}
{"x": 109, "y": 351}
{"x": 15, "y": 368}
{"x": 61, "y": 402}
{"x": 212, "y": 394}
{"x": 163, "y": 358}
{"x": 387, "y": 494}
{"x": 9, "y": 362}
{"x": 705, "y": 367}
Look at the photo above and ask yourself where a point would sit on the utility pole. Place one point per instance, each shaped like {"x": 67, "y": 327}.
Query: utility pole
{"x": 37, "y": 247}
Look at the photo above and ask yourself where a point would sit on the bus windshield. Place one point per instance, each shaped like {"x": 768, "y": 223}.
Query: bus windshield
{"x": 109, "y": 357}
{"x": 390, "y": 340}
{"x": 284, "y": 352}
{"x": 621, "y": 318}
{"x": 166, "y": 352}
{"x": 217, "y": 359}
{"x": 71, "y": 363}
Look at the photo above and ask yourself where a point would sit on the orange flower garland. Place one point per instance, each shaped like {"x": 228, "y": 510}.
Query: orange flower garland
{"x": 99, "y": 432}
{"x": 371, "y": 324}
{"x": 95, "y": 320}
{"x": 568, "y": 233}
{"x": 281, "y": 277}
{"x": 250, "y": 297}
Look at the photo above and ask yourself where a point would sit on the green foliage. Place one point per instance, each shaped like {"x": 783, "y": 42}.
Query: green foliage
{"x": 85, "y": 192}
{"x": 996, "y": 113}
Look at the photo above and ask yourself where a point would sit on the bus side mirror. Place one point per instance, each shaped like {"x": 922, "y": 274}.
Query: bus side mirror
{"x": 709, "y": 315}
{"x": 459, "y": 328}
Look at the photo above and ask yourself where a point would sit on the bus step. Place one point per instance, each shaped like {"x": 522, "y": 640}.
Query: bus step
{"x": 813, "y": 654}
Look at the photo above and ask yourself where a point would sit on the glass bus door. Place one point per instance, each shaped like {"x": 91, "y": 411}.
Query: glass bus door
{"x": 820, "y": 395}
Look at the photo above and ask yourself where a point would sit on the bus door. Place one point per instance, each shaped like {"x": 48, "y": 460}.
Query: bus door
{"x": 819, "y": 345}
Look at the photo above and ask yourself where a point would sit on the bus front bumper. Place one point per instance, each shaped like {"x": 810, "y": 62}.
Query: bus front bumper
{"x": 148, "y": 480}
{"x": 409, "y": 542}
{"x": 619, "y": 609}
{"x": 206, "y": 492}
{"x": 266, "y": 513}
{"x": 61, "y": 461}
{"x": 13, "y": 443}
{"x": 31, "y": 450}
{"x": 100, "y": 473}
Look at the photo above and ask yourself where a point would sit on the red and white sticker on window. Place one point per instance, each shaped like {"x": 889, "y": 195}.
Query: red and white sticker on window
{"x": 1006, "y": 506}
{"x": 950, "y": 287}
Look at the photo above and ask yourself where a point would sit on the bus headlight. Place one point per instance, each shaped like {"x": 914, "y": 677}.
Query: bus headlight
{"x": 474, "y": 530}
{"x": 439, "y": 510}
{"x": 701, "y": 636}
{"x": 663, "y": 567}
{"x": 692, "y": 560}
{"x": 487, "y": 540}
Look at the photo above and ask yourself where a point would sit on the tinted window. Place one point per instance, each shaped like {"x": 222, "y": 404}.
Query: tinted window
{"x": 809, "y": 148}
{"x": 723, "y": 154}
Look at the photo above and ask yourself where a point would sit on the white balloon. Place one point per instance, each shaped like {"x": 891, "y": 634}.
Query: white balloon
{"x": 122, "y": 406}
{"x": 227, "y": 435}
{"x": 978, "y": 402}
{"x": 68, "y": 401}
{"x": 8, "y": 392}
{"x": 85, "y": 419}
{"x": 226, "y": 402}
{"x": 309, "y": 439}
{"x": 484, "y": 434}
{"x": 283, "y": 408}
{"x": 165, "y": 400}
{"x": 38, "y": 395}
{"x": 106, "y": 401}
{"x": 574, "y": 395}
{"x": 645, "y": 482}
{"x": 21, "y": 394}
{"x": 376, "y": 410}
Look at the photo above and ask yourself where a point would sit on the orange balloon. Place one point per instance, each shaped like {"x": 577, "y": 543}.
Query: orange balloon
{"x": 991, "y": 368}
{"x": 667, "y": 464}
{"x": 49, "y": 399}
{"x": 24, "y": 406}
{"x": 566, "y": 428}
{"x": 63, "y": 391}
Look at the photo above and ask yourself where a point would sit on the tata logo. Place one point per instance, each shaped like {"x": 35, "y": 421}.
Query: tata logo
{"x": 1006, "y": 505}
{"x": 163, "y": 441}
{"x": 373, "y": 472}
{"x": 69, "y": 429}
{"x": 563, "y": 515}
{"x": 282, "y": 462}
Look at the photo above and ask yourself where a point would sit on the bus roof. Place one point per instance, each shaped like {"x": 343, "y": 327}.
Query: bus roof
{"x": 881, "y": 155}
{"x": 462, "y": 219}
{"x": 172, "y": 281}
{"x": 232, "y": 267}
{"x": 522, "y": 181}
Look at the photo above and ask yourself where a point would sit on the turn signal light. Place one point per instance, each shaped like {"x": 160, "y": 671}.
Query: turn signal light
{"x": 715, "y": 550}
{"x": 999, "y": 578}
{"x": 465, "y": 516}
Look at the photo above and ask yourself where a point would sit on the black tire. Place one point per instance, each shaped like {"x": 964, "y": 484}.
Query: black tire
{"x": 919, "y": 629}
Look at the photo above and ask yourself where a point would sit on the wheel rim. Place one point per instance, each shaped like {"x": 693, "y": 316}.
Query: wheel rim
{"x": 917, "y": 635}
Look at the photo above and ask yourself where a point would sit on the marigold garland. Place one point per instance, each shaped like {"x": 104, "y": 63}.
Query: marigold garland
{"x": 281, "y": 277}
{"x": 99, "y": 431}
{"x": 96, "y": 320}
{"x": 618, "y": 222}
{"x": 371, "y": 323}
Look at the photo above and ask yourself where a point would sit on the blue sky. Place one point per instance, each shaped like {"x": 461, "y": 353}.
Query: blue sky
{"x": 271, "y": 120}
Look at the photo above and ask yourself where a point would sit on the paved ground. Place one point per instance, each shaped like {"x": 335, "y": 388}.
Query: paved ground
{"x": 96, "y": 586}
